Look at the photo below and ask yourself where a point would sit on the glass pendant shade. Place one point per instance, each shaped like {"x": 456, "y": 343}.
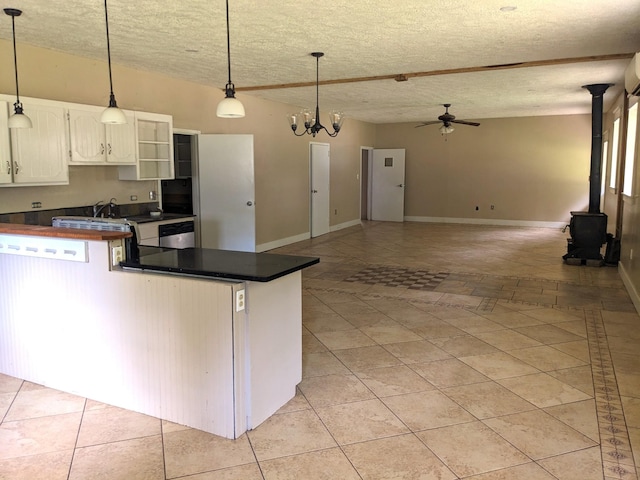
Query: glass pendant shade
{"x": 19, "y": 120}
{"x": 113, "y": 115}
{"x": 446, "y": 129}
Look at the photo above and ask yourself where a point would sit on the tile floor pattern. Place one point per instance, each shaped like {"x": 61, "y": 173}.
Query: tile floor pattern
{"x": 510, "y": 365}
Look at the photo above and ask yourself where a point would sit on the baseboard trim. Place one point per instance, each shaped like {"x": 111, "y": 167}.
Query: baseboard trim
{"x": 487, "y": 221}
{"x": 341, "y": 226}
{"x": 631, "y": 290}
{"x": 263, "y": 247}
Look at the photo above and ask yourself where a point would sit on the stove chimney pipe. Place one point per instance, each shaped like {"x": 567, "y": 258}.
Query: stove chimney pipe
{"x": 595, "y": 174}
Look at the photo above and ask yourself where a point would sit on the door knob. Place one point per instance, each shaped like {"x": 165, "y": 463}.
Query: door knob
{"x": 249, "y": 203}
{"x": 401, "y": 185}
{"x": 314, "y": 191}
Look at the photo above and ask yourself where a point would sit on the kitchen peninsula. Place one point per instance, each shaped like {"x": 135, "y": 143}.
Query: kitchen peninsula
{"x": 204, "y": 338}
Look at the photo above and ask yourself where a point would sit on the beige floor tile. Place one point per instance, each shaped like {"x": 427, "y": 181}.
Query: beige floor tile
{"x": 416, "y": 352}
{"x": 385, "y": 334}
{"x": 444, "y": 330}
{"x": 364, "y": 358}
{"x": 543, "y": 390}
{"x": 355, "y": 307}
{"x": 546, "y": 358}
{"x": 538, "y": 434}
{"x": 487, "y": 399}
{"x": 361, "y": 320}
{"x": 334, "y": 389}
{"x": 289, "y": 434}
{"x": 577, "y": 377}
{"x": 113, "y": 424}
{"x": 39, "y": 435}
{"x": 9, "y": 384}
{"x": 476, "y": 324}
{"x": 297, "y": 403}
{"x": 506, "y": 339}
{"x": 397, "y": 380}
{"x": 242, "y": 472}
{"x": 484, "y": 450}
{"x": 43, "y": 402}
{"x": 187, "y": 452}
{"x": 579, "y": 415}
{"x": 554, "y": 315}
{"x": 463, "y": 345}
{"x": 631, "y": 408}
{"x": 581, "y": 465}
{"x": 136, "y": 459}
{"x": 46, "y": 466}
{"x": 578, "y": 349}
{"x": 623, "y": 345}
{"x": 323, "y": 363}
{"x": 528, "y": 471}
{"x": 448, "y": 373}
{"x": 513, "y": 319}
{"x": 310, "y": 344}
{"x": 168, "y": 427}
{"x": 361, "y": 421}
{"x": 327, "y": 323}
{"x": 634, "y": 437}
{"x": 401, "y": 457}
{"x": 322, "y": 465}
{"x": 345, "y": 339}
{"x": 430, "y": 409}
{"x": 6, "y": 399}
{"x": 548, "y": 334}
{"x": 628, "y": 384}
{"x": 499, "y": 365}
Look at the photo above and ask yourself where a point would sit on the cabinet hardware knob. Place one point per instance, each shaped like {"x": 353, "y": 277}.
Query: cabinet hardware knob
{"x": 8, "y": 167}
{"x": 109, "y": 148}
{"x": 102, "y": 149}
{"x": 16, "y": 167}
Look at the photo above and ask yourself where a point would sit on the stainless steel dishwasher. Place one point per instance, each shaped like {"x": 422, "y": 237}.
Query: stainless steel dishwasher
{"x": 177, "y": 235}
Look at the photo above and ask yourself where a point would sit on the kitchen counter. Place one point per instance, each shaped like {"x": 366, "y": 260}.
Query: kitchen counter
{"x": 42, "y": 231}
{"x": 225, "y": 264}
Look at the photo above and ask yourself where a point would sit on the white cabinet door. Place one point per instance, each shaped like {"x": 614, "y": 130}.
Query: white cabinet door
{"x": 94, "y": 143}
{"x": 39, "y": 153}
{"x": 5, "y": 146}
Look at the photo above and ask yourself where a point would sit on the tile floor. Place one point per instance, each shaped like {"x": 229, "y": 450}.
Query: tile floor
{"x": 431, "y": 351}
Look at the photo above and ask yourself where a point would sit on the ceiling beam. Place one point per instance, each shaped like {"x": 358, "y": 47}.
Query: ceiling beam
{"x": 402, "y": 77}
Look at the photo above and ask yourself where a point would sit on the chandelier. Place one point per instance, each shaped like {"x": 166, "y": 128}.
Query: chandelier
{"x": 312, "y": 123}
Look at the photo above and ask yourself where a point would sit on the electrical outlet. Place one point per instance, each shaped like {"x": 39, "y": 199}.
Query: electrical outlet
{"x": 36, "y": 204}
{"x": 153, "y": 195}
{"x": 133, "y": 198}
{"x": 116, "y": 255}
{"x": 240, "y": 300}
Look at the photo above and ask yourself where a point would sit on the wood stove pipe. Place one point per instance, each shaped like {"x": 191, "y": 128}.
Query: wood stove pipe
{"x": 595, "y": 173}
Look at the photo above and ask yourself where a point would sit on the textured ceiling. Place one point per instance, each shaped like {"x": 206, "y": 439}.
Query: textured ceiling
{"x": 271, "y": 41}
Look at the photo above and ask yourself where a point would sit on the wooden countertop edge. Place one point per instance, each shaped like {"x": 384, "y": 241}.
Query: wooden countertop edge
{"x": 74, "y": 233}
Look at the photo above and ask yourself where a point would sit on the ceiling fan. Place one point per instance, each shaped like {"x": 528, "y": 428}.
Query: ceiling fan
{"x": 447, "y": 119}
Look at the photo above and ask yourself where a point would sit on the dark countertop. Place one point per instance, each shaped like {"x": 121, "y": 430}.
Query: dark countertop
{"x": 165, "y": 216}
{"x": 224, "y": 264}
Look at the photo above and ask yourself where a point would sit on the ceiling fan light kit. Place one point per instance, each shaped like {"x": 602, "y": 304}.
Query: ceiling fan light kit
{"x": 310, "y": 121}
{"x": 18, "y": 119}
{"x": 230, "y": 106}
{"x": 447, "y": 119}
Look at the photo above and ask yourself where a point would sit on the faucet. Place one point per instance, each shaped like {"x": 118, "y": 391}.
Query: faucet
{"x": 97, "y": 208}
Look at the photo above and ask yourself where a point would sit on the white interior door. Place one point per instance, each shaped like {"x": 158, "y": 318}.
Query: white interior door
{"x": 387, "y": 185}
{"x": 226, "y": 185}
{"x": 319, "y": 181}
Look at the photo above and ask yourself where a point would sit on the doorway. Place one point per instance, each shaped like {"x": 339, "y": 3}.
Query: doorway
{"x": 319, "y": 164}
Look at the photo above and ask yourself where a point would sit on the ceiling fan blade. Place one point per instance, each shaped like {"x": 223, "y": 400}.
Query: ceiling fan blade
{"x": 464, "y": 122}
{"x": 424, "y": 124}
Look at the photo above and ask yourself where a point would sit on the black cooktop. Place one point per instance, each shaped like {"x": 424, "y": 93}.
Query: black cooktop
{"x": 227, "y": 264}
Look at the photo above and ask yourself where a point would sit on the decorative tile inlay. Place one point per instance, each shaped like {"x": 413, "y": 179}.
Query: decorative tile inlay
{"x": 398, "y": 277}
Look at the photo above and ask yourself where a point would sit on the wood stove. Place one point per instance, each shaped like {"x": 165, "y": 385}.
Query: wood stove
{"x": 589, "y": 229}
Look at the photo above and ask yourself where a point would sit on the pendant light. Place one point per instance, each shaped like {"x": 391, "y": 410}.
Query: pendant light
{"x": 312, "y": 123}
{"x": 230, "y": 106}
{"x": 112, "y": 113}
{"x": 18, "y": 119}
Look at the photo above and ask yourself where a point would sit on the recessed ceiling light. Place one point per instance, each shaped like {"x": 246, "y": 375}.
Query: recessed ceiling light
{"x": 508, "y": 8}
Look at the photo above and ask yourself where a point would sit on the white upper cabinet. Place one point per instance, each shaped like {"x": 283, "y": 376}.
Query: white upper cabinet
{"x": 38, "y": 154}
{"x": 5, "y": 146}
{"x": 94, "y": 143}
{"x": 154, "y": 141}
